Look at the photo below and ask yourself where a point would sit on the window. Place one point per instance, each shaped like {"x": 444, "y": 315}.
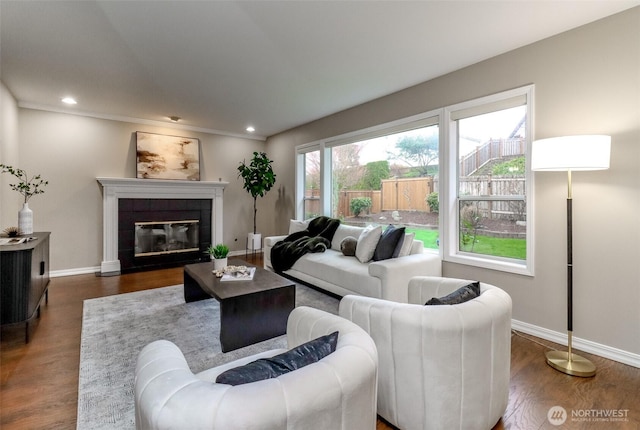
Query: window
{"x": 309, "y": 181}
{"x": 468, "y": 199}
{"x": 312, "y": 184}
{"x": 488, "y": 153}
{"x": 388, "y": 179}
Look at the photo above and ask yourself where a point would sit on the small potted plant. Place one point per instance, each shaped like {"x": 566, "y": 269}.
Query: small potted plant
{"x": 219, "y": 255}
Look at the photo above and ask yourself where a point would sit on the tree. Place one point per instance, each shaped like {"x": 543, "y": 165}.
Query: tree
{"x": 418, "y": 152}
{"x": 345, "y": 162}
{"x": 312, "y": 170}
{"x": 374, "y": 173}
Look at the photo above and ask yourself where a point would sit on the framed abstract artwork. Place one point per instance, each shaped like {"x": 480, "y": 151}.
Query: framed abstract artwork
{"x": 167, "y": 157}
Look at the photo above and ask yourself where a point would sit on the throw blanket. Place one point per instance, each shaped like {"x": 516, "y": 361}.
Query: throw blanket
{"x": 316, "y": 238}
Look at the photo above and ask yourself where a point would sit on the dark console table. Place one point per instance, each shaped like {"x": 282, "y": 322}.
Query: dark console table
{"x": 24, "y": 280}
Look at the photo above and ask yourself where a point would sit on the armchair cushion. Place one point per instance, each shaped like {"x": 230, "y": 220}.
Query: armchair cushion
{"x": 266, "y": 368}
{"x": 461, "y": 295}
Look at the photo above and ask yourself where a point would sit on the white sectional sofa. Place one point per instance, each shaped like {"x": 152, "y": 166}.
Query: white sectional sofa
{"x": 342, "y": 275}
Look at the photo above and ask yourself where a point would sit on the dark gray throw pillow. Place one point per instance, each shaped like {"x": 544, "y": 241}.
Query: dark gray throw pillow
{"x": 388, "y": 243}
{"x": 348, "y": 246}
{"x": 266, "y": 368}
{"x": 461, "y": 295}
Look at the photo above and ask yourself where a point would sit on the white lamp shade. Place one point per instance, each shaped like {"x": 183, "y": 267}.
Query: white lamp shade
{"x": 589, "y": 152}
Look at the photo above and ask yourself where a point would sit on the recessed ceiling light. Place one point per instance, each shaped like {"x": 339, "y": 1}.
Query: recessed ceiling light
{"x": 251, "y": 129}
{"x": 69, "y": 101}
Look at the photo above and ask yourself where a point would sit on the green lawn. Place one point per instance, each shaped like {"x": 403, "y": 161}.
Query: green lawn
{"x": 429, "y": 237}
{"x": 496, "y": 246}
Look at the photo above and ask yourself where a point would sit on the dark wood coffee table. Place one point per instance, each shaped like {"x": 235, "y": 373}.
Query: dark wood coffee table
{"x": 250, "y": 311}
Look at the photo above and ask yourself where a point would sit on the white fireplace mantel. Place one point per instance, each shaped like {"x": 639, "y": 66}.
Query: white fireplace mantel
{"x": 131, "y": 188}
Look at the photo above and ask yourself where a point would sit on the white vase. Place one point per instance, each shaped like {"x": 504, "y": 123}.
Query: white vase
{"x": 25, "y": 219}
{"x": 219, "y": 263}
{"x": 254, "y": 241}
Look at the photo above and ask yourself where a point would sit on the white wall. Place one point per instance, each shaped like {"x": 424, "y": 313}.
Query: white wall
{"x": 586, "y": 81}
{"x": 8, "y": 155}
{"x": 71, "y": 151}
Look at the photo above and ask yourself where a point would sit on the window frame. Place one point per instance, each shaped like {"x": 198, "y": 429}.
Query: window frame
{"x": 448, "y": 174}
{"x": 449, "y": 192}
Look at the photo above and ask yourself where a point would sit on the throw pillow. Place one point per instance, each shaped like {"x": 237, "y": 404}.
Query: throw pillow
{"x": 405, "y": 246}
{"x": 267, "y": 368}
{"x": 388, "y": 243}
{"x": 367, "y": 243}
{"x": 461, "y": 295}
{"x": 296, "y": 225}
{"x": 348, "y": 246}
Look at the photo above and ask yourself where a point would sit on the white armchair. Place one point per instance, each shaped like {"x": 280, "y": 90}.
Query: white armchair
{"x": 440, "y": 367}
{"x": 339, "y": 391}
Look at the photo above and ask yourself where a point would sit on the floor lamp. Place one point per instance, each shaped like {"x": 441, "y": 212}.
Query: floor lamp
{"x": 570, "y": 153}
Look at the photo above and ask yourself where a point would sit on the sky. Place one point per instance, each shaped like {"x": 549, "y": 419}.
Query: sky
{"x": 474, "y": 131}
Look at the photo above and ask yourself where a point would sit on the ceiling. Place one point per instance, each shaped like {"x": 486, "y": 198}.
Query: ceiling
{"x": 224, "y": 65}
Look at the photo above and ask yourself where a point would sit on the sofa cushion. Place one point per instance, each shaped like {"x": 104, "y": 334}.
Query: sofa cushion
{"x": 388, "y": 243}
{"x": 345, "y": 230}
{"x": 461, "y": 295}
{"x": 334, "y": 268}
{"x": 367, "y": 243}
{"x": 267, "y": 368}
{"x": 404, "y": 247}
{"x": 348, "y": 246}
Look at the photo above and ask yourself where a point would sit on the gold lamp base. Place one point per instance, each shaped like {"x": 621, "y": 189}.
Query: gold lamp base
{"x": 575, "y": 366}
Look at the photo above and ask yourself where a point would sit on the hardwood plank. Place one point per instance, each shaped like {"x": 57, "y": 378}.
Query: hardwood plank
{"x": 39, "y": 380}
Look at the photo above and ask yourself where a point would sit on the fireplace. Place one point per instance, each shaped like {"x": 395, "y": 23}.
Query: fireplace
{"x": 165, "y": 237}
{"x": 131, "y": 205}
{"x": 156, "y": 233}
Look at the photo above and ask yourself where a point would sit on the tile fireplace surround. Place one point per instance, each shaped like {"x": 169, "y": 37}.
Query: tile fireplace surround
{"x": 130, "y": 188}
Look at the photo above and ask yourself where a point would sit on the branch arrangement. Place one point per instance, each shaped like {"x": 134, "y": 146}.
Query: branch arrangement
{"x": 28, "y": 187}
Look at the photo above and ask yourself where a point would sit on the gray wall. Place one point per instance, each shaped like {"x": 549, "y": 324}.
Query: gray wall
{"x": 587, "y": 81}
{"x": 71, "y": 151}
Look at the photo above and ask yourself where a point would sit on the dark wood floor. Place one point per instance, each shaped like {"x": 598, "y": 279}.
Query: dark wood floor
{"x": 40, "y": 380}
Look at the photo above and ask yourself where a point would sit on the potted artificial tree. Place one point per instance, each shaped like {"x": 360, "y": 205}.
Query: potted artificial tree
{"x": 258, "y": 178}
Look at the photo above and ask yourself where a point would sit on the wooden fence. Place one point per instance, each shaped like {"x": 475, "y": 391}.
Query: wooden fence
{"x": 345, "y": 197}
{"x": 491, "y": 150}
{"x": 406, "y": 194}
{"x": 409, "y": 194}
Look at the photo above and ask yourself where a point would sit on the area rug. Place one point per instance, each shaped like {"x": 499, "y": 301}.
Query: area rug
{"x": 116, "y": 328}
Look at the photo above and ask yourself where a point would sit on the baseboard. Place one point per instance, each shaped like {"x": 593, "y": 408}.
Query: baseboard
{"x": 605, "y": 351}
{"x": 71, "y": 272}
